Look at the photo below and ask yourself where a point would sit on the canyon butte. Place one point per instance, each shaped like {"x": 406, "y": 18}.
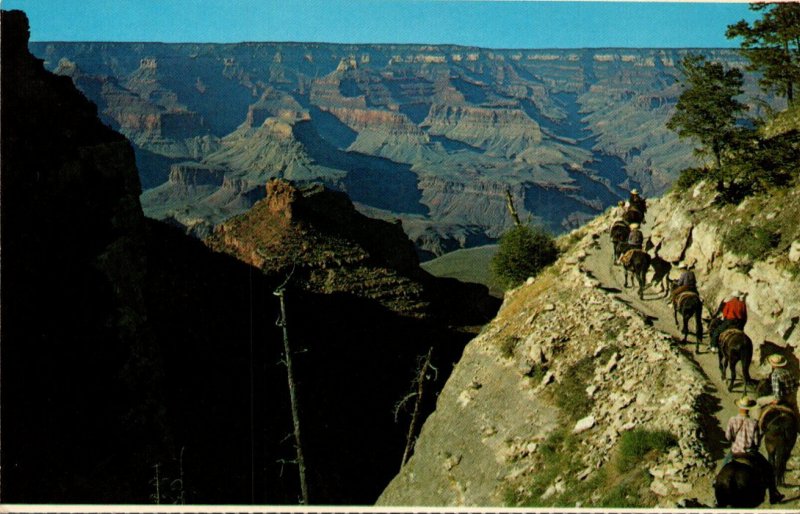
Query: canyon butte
{"x": 431, "y": 135}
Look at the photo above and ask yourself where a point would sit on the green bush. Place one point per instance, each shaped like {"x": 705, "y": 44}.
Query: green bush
{"x": 754, "y": 242}
{"x": 634, "y": 445}
{"x": 523, "y": 252}
{"x": 690, "y": 177}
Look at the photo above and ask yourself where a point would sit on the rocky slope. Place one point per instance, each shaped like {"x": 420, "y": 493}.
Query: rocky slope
{"x": 133, "y": 355}
{"x": 537, "y": 411}
{"x": 412, "y": 130}
{"x": 575, "y": 369}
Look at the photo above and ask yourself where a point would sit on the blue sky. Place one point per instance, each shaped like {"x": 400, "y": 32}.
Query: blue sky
{"x": 492, "y": 24}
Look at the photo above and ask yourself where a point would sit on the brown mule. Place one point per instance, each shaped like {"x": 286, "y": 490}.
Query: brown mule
{"x": 735, "y": 346}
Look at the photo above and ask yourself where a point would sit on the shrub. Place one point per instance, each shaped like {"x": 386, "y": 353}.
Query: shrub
{"x": 507, "y": 346}
{"x": 634, "y": 445}
{"x": 690, "y": 177}
{"x": 523, "y": 252}
{"x": 754, "y": 242}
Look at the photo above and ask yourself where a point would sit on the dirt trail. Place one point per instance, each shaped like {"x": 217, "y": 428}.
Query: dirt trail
{"x": 718, "y": 403}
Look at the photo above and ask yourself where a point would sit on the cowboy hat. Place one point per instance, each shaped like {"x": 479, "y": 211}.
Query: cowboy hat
{"x": 634, "y": 191}
{"x": 736, "y": 294}
{"x": 746, "y": 403}
{"x": 777, "y": 361}
{"x": 634, "y": 225}
{"x": 682, "y": 265}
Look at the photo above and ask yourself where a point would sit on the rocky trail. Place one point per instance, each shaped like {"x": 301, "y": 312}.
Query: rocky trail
{"x": 719, "y": 404}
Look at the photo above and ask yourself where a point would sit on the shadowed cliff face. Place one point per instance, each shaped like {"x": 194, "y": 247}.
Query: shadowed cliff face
{"x": 409, "y": 131}
{"x": 81, "y": 371}
{"x": 131, "y": 351}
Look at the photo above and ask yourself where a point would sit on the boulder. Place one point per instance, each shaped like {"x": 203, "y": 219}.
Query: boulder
{"x": 659, "y": 487}
{"x": 794, "y": 252}
{"x": 584, "y": 424}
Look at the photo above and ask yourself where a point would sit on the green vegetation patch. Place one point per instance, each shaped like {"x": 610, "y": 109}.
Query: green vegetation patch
{"x": 623, "y": 481}
{"x": 753, "y": 241}
{"x": 467, "y": 265}
{"x": 570, "y": 395}
{"x": 507, "y": 345}
{"x": 523, "y": 252}
{"x": 689, "y": 177}
{"x": 635, "y": 445}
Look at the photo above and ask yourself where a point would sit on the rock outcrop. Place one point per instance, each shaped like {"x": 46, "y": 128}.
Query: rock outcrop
{"x": 317, "y": 236}
{"x": 693, "y": 229}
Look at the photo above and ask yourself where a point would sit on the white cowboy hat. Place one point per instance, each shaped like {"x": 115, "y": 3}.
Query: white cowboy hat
{"x": 745, "y": 402}
{"x": 634, "y": 191}
{"x": 777, "y": 361}
{"x": 634, "y": 225}
{"x": 736, "y": 294}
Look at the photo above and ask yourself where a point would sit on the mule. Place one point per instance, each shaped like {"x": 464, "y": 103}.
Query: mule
{"x": 688, "y": 303}
{"x": 619, "y": 234}
{"x": 633, "y": 215}
{"x": 739, "y": 485}
{"x": 636, "y": 262}
{"x": 661, "y": 269}
{"x": 779, "y": 426}
{"x": 734, "y": 347}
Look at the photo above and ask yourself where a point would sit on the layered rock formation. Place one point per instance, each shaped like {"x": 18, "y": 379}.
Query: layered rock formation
{"x": 390, "y": 124}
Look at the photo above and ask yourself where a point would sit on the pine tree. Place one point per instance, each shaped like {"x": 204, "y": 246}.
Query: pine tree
{"x": 707, "y": 109}
{"x": 772, "y": 44}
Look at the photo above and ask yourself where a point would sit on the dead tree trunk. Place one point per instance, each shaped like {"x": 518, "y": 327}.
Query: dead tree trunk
{"x": 511, "y": 209}
{"x": 301, "y": 463}
{"x": 417, "y": 405}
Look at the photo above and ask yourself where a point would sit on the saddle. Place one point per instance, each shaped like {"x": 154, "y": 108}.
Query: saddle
{"x": 727, "y": 334}
{"x": 770, "y": 412}
{"x": 682, "y": 297}
{"x": 626, "y": 257}
{"x": 744, "y": 459}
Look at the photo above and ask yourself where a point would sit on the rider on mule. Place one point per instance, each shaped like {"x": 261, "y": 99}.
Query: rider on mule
{"x": 635, "y": 238}
{"x": 784, "y": 384}
{"x": 745, "y": 435}
{"x": 686, "y": 282}
{"x": 637, "y": 202}
{"x": 734, "y": 315}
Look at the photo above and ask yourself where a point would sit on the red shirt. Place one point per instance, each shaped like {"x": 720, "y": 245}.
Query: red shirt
{"x": 734, "y": 309}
